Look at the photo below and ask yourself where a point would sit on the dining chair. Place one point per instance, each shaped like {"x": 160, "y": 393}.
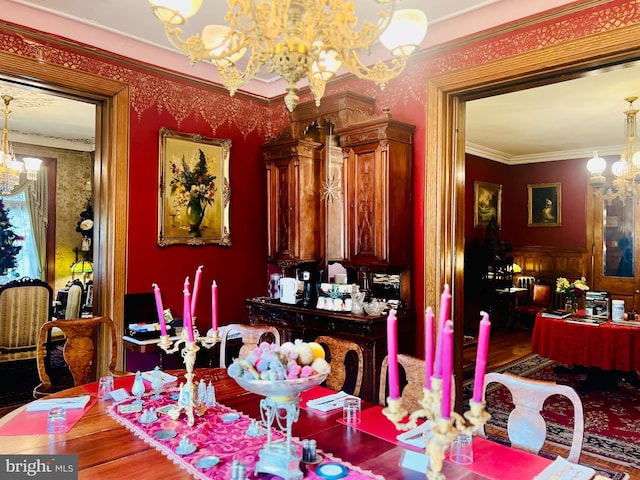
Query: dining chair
{"x": 78, "y": 352}
{"x": 526, "y": 428}
{"x": 411, "y": 381}
{"x": 25, "y": 305}
{"x": 540, "y": 299}
{"x": 74, "y": 302}
{"x": 251, "y": 336}
{"x": 347, "y": 363}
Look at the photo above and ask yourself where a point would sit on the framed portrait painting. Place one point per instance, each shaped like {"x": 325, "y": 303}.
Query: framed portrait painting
{"x": 194, "y": 189}
{"x": 545, "y": 205}
{"x": 487, "y": 204}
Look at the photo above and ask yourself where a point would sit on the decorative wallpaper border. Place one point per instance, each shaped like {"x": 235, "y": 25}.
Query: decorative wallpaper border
{"x": 153, "y": 93}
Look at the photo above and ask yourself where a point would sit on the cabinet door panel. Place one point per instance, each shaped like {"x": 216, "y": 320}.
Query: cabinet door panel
{"x": 368, "y": 226}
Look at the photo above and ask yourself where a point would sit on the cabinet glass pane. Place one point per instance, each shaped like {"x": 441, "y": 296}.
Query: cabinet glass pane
{"x": 618, "y": 230}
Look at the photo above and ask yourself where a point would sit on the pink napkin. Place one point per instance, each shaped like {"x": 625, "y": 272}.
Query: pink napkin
{"x": 35, "y": 423}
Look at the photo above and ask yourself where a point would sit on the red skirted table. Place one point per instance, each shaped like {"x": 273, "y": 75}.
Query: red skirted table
{"x": 608, "y": 346}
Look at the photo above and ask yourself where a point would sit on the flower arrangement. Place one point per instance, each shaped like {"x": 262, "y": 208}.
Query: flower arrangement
{"x": 8, "y": 238}
{"x": 193, "y": 185}
{"x": 571, "y": 289}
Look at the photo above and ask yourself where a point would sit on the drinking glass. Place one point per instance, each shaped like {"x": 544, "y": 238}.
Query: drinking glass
{"x": 461, "y": 450}
{"x": 351, "y": 411}
{"x": 57, "y": 420}
{"x": 105, "y": 387}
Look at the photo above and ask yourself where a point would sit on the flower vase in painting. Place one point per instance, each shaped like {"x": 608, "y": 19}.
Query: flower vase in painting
{"x": 194, "y": 189}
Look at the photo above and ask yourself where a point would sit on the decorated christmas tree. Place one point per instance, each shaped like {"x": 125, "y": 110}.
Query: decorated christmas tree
{"x": 8, "y": 239}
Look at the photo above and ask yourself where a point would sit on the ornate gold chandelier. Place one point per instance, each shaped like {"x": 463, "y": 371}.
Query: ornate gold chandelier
{"x": 295, "y": 39}
{"x": 10, "y": 167}
{"x": 626, "y": 171}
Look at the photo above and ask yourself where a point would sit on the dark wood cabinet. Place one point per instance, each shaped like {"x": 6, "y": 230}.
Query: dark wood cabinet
{"x": 370, "y": 332}
{"x": 378, "y": 154}
{"x": 293, "y": 189}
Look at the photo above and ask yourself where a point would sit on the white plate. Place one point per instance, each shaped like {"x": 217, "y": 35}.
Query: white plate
{"x": 207, "y": 462}
{"x": 230, "y": 417}
{"x": 165, "y": 434}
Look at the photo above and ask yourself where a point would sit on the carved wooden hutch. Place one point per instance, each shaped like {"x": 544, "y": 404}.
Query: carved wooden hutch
{"x": 340, "y": 190}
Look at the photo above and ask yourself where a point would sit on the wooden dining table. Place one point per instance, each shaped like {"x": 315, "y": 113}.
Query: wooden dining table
{"x": 107, "y": 450}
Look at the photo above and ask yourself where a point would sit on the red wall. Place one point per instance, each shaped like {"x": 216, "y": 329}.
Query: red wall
{"x": 571, "y": 174}
{"x": 239, "y": 270}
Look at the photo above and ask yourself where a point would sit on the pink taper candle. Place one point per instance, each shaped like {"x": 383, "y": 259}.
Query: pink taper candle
{"x": 481, "y": 357}
{"x": 214, "y": 306}
{"x": 447, "y": 368}
{"x": 160, "y": 309}
{"x": 196, "y": 289}
{"x": 443, "y": 315}
{"x": 428, "y": 347}
{"x": 392, "y": 354}
{"x": 186, "y": 311}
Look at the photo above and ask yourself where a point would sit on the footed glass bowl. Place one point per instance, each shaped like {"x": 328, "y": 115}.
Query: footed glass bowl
{"x": 281, "y": 390}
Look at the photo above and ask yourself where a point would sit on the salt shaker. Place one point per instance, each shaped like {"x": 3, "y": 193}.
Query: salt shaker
{"x": 211, "y": 396}
{"x": 202, "y": 392}
{"x": 312, "y": 451}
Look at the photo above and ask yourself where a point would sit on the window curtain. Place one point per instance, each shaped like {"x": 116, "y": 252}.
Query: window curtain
{"x": 28, "y": 207}
{"x": 38, "y": 204}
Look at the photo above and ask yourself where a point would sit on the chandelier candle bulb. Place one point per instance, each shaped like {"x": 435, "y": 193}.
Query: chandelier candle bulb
{"x": 447, "y": 369}
{"x": 160, "y": 309}
{"x": 428, "y": 347}
{"x": 443, "y": 315}
{"x": 214, "y": 306}
{"x": 392, "y": 355}
{"x": 196, "y": 289}
{"x": 481, "y": 357}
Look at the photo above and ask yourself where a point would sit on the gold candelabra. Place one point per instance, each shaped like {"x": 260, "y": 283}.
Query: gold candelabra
{"x": 187, "y": 400}
{"x": 444, "y": 429}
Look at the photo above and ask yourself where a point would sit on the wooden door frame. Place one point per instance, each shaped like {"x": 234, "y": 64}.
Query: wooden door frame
{"x": 445, "y": 152}
{"x": 111, "y": 189}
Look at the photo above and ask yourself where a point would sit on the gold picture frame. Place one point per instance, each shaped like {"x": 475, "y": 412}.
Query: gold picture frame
{"x": 487, "y": 203}
{"x": 545, "y": 205}
{"x": 194, "y": 189}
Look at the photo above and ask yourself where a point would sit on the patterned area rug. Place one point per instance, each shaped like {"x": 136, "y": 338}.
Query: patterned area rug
{"x": 612, "y": 418}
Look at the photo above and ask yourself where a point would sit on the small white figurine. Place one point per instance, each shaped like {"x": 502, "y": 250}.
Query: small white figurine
{"x": 138, "y": 388}
{"x": 156, "y": 382}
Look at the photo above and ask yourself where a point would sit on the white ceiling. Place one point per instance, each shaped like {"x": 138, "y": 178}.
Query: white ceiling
{"x": 563, "y": 120}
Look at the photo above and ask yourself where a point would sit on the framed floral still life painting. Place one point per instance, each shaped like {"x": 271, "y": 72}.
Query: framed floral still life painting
{"x": 194, "y": 189}
{"x": 545, "y": 205}
{"x": 487, "y": 204}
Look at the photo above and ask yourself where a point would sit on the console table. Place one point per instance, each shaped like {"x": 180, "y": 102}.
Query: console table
{"x": 369, "y": 332}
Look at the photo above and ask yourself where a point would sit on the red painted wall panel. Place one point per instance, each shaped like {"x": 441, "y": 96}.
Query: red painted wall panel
{"x": 571, "y": 174}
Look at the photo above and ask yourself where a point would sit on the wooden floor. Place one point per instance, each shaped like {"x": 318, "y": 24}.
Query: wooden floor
{"x": 505, "y": 346}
